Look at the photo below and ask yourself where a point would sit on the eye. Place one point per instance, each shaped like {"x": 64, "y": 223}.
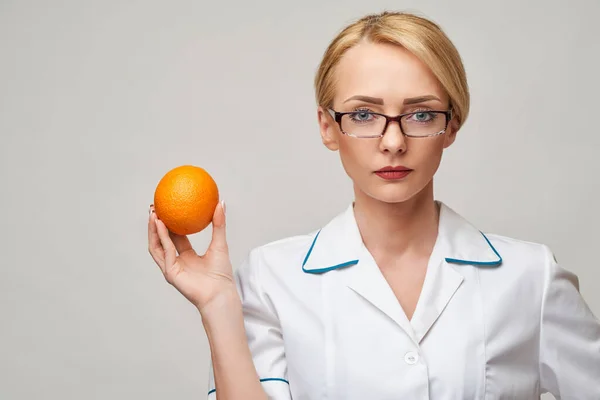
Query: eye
{"x": 422, "y": 116}
{"x": 361, "y": 116}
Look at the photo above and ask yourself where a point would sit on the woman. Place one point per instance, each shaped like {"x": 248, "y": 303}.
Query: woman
{"x": 398, "y": 297}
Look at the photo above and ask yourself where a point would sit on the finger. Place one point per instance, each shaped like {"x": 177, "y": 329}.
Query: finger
{"x": 167, "y": 244}
{"x": 154, "y": 245}
{"x": 219, "y": 239}
{"x": 153, "y": 239}
{"x": 182, "y": 243}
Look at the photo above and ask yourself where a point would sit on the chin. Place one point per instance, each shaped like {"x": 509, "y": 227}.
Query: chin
{"x": 398, "y": 192}
{"x": 391, "y": 194}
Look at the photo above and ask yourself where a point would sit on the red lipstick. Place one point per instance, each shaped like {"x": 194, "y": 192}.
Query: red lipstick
{"x": 393, "y": 173}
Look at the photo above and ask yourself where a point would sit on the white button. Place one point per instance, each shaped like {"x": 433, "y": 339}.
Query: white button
{"x": 411, "y": 358}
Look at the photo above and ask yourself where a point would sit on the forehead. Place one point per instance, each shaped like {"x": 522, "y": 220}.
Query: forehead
{"x": 384, "y": 70}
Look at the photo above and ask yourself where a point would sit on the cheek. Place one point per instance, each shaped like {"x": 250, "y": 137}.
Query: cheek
{"x": 355, "y": 155}
{"x": 429, "y": 156}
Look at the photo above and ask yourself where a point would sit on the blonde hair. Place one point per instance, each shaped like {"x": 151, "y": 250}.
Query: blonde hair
{"x": 420, "y": 36}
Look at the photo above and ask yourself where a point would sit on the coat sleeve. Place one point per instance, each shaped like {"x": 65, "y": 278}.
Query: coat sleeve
{"x": 263, "y": 331}
{"x": 569, "y": 338}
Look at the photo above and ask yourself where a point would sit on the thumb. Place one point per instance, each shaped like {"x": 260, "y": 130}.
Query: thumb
{"x": 219, "y": 238}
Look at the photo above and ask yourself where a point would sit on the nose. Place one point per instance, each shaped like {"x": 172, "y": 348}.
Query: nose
{"x": 393, "y": 139}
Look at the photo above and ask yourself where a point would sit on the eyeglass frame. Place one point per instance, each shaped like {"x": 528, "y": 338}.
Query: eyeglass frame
{"x": 337, "y": 116}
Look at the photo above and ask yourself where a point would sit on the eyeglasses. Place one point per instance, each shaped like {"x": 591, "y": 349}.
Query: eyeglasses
{"x": 367, "y": 124}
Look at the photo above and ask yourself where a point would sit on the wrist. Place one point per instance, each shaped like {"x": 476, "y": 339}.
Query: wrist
{"x": 225, "y": 303}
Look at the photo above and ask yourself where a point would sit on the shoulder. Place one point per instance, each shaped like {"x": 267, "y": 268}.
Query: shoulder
{"x": 526, "y": 266}
{"x": 521, "y": 253}
{"x": 464, "y": 243}
{"x": 518, "y": 250}
{"x": 279, "y": 258}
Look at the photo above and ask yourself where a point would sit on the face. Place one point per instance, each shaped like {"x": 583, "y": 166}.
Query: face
{"x": 387, "y": 79}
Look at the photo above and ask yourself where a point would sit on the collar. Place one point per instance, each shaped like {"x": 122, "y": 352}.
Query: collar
{"x": 338, "y": 244}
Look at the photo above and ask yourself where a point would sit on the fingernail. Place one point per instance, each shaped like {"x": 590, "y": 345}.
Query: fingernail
{"x": 223, "y": 205}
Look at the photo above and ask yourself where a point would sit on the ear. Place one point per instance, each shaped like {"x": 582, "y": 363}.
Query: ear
{"x": 328, "y": 128}
{"x": 450, "y": 135}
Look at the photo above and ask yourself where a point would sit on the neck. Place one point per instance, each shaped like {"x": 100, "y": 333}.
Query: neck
{"x": 397, "y": 228}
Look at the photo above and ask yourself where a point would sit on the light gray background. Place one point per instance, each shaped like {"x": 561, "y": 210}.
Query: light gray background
{"x": 98, "y": 99}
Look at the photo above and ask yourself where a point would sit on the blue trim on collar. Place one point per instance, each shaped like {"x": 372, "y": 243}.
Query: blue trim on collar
{"x": 262, "y": 380}
{"x": 323, "y": 270}
{"x": 310, "y": 250}
{"x": 482, "y": 263}
{"x": 354, "y": 262}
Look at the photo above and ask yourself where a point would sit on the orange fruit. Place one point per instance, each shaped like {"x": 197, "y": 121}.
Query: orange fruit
{"x": 185, "y": 199}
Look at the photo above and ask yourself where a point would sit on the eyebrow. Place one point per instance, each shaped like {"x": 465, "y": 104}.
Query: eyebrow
{"x": 368, "y": 99}
{"x": 378, "y": 100}
{"x": 421, "y": 99}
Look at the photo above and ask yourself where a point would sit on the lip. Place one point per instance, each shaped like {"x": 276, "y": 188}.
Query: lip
{"x": 393, "y": 173}
{"x": 390, "y": 168}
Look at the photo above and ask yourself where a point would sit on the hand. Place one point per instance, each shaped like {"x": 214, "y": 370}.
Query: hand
{"x": 200, "y": 278}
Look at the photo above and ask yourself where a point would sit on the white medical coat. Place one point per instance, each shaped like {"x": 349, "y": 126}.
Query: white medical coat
{"x": 497, "y": 318}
